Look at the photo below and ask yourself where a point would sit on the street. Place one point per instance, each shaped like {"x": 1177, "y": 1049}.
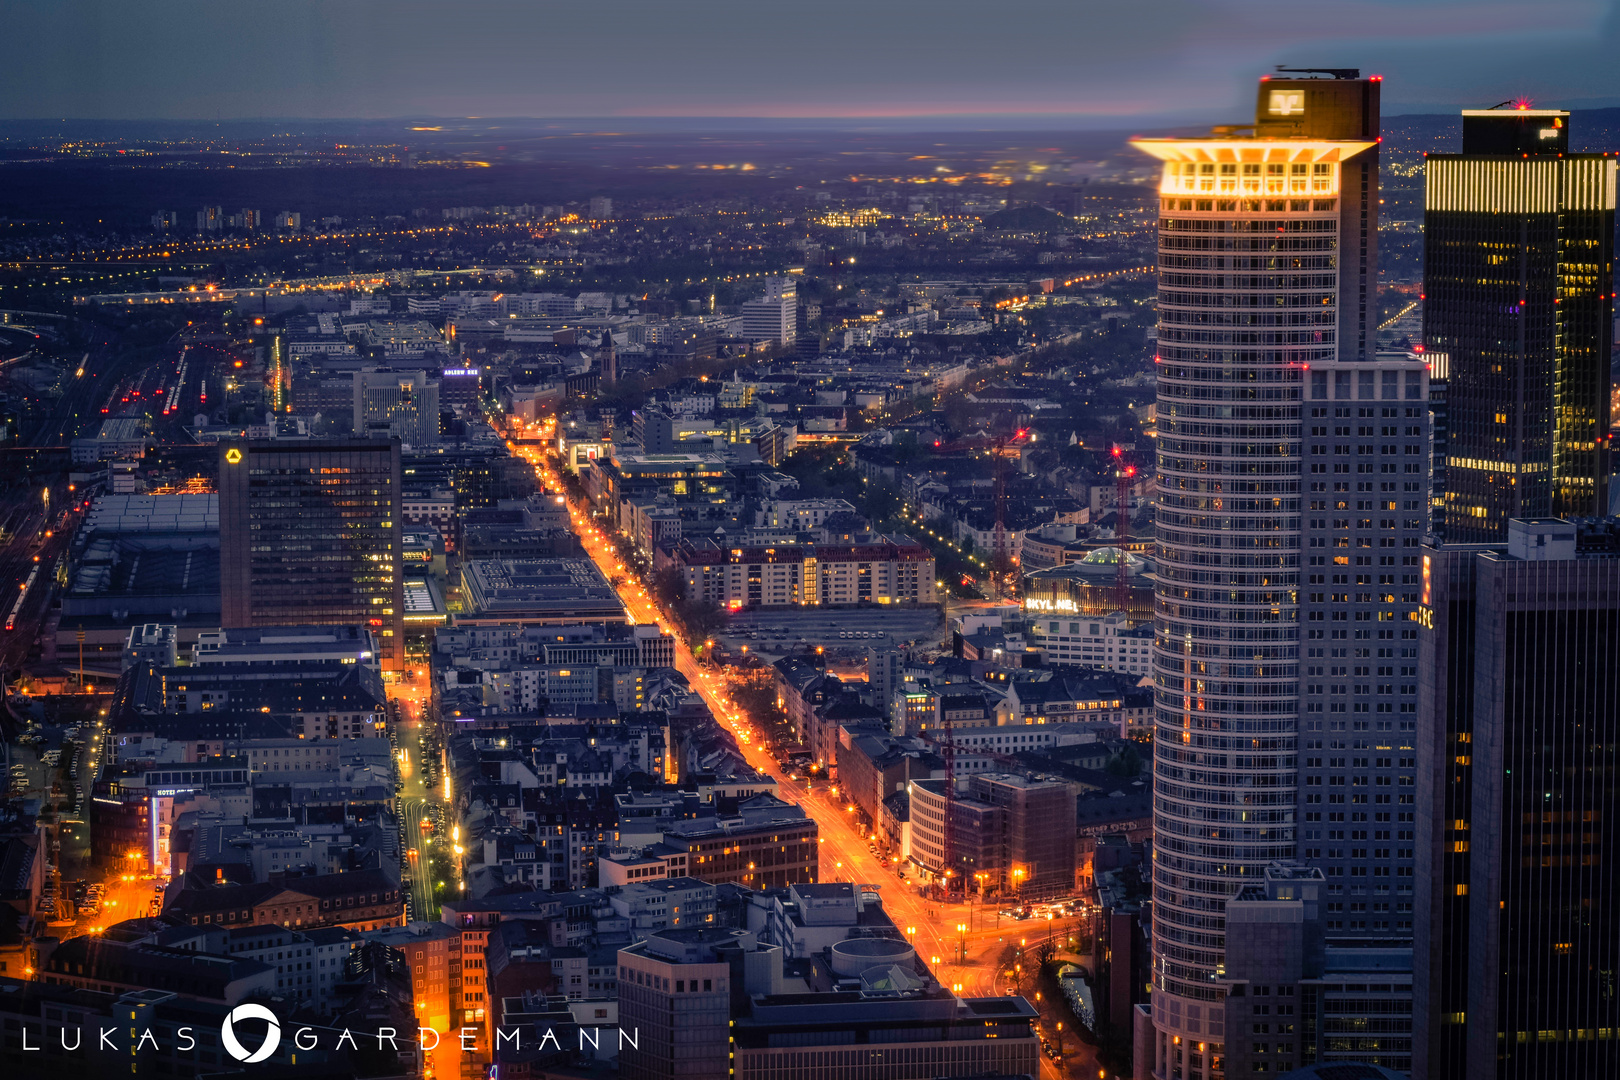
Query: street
{"x": 929, "y": 924}
{"x": 415, "y": 800}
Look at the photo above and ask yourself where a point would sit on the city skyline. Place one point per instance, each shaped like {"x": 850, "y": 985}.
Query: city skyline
{"x": 1056, "y": 539}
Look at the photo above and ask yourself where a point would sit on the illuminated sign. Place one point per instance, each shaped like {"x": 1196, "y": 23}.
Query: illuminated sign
{"x": 1031, "y": 604}
{"x": 1286, "y": 102}
{"x": 461, "y": 371}
{"x": 1427, "y": 580}
{"x": 234, "y": 456}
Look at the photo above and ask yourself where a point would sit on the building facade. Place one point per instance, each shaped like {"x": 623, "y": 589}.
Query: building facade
{"x": 1365, "y": 515}
{"x": 774, "y": 317}
{"x": 852, "y": 1036}
{"x": 1267, "y": 267}
{"x": 675, "y": 1002}
{"x": 1294, "y": 999}
{"x": 397, "y": 404}
{"x": 310, "y": 535}
{"x": 1517, "y": 815}
{"x": 760, "y": 854}
{"x": 878, "y": 569}
{"x": 1037, "y": 831}
{"x": 1519, "y": 301}
{"x": 1012, "y": 834}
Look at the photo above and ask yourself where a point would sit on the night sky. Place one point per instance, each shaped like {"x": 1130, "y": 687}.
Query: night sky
{"x": 986, "y": 62}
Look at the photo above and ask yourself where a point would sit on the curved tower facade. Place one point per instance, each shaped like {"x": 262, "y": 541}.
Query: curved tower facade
{"x": 1267, "y": 240}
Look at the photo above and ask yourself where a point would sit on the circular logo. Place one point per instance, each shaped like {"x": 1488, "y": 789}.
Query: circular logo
{"x": 272, "y": 1038}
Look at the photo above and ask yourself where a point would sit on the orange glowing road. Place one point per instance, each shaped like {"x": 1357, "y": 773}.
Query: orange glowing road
{"x": 930, "y": 925}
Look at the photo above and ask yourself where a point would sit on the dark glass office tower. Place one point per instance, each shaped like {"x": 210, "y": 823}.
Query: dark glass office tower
{"x": 1447, "y": 622}
{"x": 1519, "y": 814}
{"x": 1518, "y": 302}
{"x": 310, "y": 535}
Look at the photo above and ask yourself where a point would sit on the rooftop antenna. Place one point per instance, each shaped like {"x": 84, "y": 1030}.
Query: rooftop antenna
{"x": 1336, "y": 73}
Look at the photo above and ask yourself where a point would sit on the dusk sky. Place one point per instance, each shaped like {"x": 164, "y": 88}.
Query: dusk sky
{"x": 1112, "y": 63}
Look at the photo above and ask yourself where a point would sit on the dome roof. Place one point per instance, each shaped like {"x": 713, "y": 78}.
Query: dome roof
{"x": 1110, "y": 556}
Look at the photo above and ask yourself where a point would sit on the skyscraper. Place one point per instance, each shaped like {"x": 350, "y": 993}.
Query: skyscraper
{"x": 310, "y": 535}
{"x": 1518, "y": 304}
{"x": 1267, "y": 267}
{"x": 1366, "y": 429}
{"x": 1518, "y": 815}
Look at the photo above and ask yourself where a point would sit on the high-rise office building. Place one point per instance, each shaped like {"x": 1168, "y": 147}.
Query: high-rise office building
{"x": 310, "y": 535}
{"x": 1519, "y": 303}
{"x": 773, "y": 317}
{"x": 1365, "y": 514}
{"x": 1519, "y": 927}
{"x": 398, "y": 404}
{"x": 1267, "y": 268}
{"x": 675, "y": 998}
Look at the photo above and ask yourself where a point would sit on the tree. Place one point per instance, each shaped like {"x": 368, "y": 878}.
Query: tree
{"x": 669, "y": 586}
{"x": 1125, "y": 762}
{"x": 879, "y": 502}
{"x": 702, "y": 618}
{"x": 755, "y": 695}
{"x": 698, "y": 618}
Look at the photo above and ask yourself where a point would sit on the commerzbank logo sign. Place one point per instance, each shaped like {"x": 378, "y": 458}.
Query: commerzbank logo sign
{"x": 233, "y": 1045}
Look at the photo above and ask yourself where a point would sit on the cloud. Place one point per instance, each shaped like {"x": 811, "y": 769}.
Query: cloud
{"x": 1103, "y": 59}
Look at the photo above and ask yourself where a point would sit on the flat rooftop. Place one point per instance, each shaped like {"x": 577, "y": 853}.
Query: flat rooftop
{"x": 153, "y": 513}
{"x": 423, "y": 603}
{"x": 572, "y": 589}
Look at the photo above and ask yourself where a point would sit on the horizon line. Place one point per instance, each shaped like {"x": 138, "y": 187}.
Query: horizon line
{"x": 1105, "y": 120}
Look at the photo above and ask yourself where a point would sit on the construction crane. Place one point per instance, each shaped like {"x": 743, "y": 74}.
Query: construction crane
{"x": 947, "y": 750}
{"x": 1000, "y": 555}
{"x": 1123, "y": 474}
